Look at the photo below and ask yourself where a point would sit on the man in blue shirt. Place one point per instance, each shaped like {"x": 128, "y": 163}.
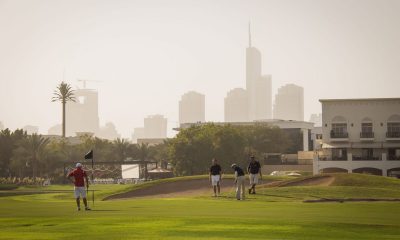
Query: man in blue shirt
{"x": 254, "y": 169}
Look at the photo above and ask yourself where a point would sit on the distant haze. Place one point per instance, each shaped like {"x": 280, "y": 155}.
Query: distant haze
{"x": 149, "y": 53}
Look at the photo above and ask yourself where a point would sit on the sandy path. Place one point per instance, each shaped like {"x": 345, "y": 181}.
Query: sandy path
{"x": 175, "y": 189}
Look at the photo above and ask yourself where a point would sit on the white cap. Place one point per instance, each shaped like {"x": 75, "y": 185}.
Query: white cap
{"x": 78, "y": 165}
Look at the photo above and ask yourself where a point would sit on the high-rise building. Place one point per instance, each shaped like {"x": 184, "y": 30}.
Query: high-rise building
{"x": 108, "y": 132}
{"x": 263, "y": 98}
{"x": 1, "y": 126}
{"x": 55, "y": 130}
{"x": 29, "y": 129}
{"x": 289, "y": 103}
{"x": 155, "y": 126}
{"x": 259, "y": 93}
{"x": 235, "y": 106}
{"x": 138, "y": 133}
{"x": 316, "y": 119}
{"x": 192, "y": 108}
{"x": 82, "y": 115}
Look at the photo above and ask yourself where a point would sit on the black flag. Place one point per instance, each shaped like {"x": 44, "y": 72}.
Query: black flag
{"x": 89, "y": 155}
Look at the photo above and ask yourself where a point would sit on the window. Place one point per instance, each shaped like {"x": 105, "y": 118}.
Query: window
{"x": 366, "y": 130}
{"x": 394, "y": 153}
{"x": 339, "y": 154}
{"x": 339, "y": 130}
{"x": 366, "y": 127}
{"x": 367, "y": 153}
{"x": 393, "y": 130}
{"x": 393, "y": 127}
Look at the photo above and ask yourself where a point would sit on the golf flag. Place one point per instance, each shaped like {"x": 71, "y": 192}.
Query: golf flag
{"x": 89, "y": 155}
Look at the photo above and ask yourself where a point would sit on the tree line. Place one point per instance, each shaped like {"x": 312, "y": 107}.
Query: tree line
{"x": 189, "y": 152}
{"x": 23, "y": 155}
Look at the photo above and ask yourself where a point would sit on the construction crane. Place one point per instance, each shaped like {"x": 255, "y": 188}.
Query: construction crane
{"x": 86, "y": 80}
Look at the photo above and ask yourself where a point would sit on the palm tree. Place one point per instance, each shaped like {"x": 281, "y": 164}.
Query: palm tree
{"x": 143, "y": 154}
{"x": 121, "y": 148}
{"x": 35, "y": 146}
{"x": 63, "y": 93}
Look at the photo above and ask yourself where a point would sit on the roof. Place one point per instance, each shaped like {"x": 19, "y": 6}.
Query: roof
{"x": 360, "y": 99}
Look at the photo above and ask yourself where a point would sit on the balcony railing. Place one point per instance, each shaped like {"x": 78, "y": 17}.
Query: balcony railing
{"x": 393, "y": 158}
{"x": 339, "y": 135}
{"x": 339, "y": 158}
{"x": 366, "y": 134}
{"x": 393, "y": 134}
{"x": 366, "y": 158}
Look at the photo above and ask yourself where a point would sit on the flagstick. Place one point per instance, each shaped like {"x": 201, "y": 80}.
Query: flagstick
{"x": 92, "y": 177}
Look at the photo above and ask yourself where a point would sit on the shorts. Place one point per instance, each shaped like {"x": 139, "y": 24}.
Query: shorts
{"x": 215, "y": 179}
{"x": 80, "y": 191}
{"x": 253, "y": 178}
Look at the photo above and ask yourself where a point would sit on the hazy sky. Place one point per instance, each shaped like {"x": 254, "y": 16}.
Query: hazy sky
{"x": 148, "y": 53}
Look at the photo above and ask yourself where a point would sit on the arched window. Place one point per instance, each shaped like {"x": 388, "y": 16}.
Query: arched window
{"x": 339, "y": 127}
{"x": 366, "y": 128}
{"x": 393, "y": 126}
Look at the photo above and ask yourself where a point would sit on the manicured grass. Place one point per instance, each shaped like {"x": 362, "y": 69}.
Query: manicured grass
{"x": 274, "y": 213}
{"x": 25, "y": 218}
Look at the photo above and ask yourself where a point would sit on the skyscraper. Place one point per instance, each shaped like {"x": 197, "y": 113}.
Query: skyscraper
{"x": 264, "y": 98}
{"x": 259, "y": 93}
{"x": 108, "y": 131}
{"x": 316, "y": 119}
{"x": 29, "y": 129}
{"x": 138, "y": 133}
{"x": 289, "y": 103}
{"x": 83, "y": 115}
{"x": 192, "y": 108}
{"x": 236, "y": 106}
{"x": 155, "y": 126}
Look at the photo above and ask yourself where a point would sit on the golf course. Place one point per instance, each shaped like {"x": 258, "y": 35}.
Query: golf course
{"x": 332, "y": 206}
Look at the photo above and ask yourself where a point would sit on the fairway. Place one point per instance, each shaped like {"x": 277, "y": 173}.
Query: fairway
{"x": 275, "y": 213}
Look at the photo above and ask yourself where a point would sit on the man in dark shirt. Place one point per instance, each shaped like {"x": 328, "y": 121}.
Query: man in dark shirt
{"x": 215, "y": 176}
{"x": 239, "y": 181}
{"x": 254, "y": 169}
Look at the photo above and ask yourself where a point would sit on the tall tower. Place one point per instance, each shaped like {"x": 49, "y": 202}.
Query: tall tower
{"x": 258, "y": 87}
{"x": 83, "y": 115}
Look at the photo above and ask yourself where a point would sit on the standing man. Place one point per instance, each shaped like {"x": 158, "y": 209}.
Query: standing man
{"x": 215, "y": 176}
{"x": 254, "y": 169}
{"x": 239, "y": 181}
{"x": 80, "y": 177}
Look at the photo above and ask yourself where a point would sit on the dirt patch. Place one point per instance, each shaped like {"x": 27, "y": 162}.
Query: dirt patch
{"x": 196, "y": 187}
{"x": 174, "y": 189}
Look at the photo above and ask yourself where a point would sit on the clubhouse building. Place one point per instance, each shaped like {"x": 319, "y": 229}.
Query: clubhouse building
{"x": 360, "y": 136}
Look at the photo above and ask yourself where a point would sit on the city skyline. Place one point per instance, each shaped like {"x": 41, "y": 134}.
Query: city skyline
{"x": 146, "y": 62}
